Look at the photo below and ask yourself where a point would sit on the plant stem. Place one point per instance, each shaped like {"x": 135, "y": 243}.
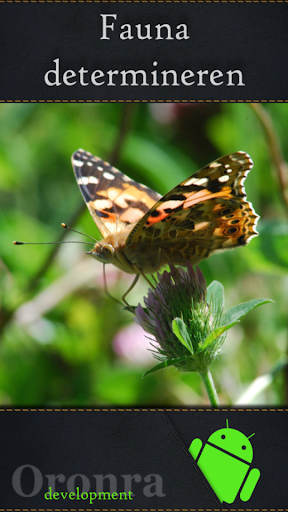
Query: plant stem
{"x": 210, "y": 388}
{"x": 275, "y": 150}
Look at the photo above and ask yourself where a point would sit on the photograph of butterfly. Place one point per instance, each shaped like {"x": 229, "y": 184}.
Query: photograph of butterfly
{"x": 142, "y": 231}
{"x": 63, "y": 341}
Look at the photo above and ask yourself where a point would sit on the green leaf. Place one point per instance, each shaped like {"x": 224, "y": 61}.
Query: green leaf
{"x": 216, "y": 333}
{"x": 241, "y": 309}
{"x": 180, "y": 330}
{"x": 165, "y": 364}
{"x": 215, "y": 291}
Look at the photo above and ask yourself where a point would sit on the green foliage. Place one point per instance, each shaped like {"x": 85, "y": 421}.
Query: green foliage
{"x": 233, "y": 314}
{"x": 202, "y": 336}
{"x": 215, "y": 291}
{"x": 180, "y": 330}
{"x": 63, "y": 342}
{"x": 215, "y": 334}
{"x": 174, "y": 361}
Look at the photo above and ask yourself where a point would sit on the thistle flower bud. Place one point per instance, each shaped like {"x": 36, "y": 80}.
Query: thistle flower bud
{"x": 178, "y": 315}
{"x": 188, "y": 321}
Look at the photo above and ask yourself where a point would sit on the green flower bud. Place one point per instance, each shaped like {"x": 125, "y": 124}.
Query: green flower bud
{"x": 185, "y": 326}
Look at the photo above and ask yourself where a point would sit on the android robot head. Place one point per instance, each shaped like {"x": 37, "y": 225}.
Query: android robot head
{"x": 233, "y": 442}
{"x": 225, "y": 462}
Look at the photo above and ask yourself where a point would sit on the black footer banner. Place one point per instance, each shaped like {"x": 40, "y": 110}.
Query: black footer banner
{"x": 144, "y": 459}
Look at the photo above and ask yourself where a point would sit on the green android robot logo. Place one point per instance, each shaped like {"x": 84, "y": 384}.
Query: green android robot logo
{"x": 225, "y": 462}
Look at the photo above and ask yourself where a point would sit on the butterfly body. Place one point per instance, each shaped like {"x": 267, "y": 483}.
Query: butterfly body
{"x": 112, "y": 250}
{"x": 143, "y": 231}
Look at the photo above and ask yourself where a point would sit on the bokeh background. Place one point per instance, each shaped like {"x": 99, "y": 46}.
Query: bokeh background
{"x": 63, "y": 342}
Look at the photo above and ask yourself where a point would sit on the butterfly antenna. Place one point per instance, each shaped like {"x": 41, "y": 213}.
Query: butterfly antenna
{"x": 52, "y": 243}
{"x": 62, "y": 242}
{"x": 106, "y": 287}
{"x": 79, "y": 232}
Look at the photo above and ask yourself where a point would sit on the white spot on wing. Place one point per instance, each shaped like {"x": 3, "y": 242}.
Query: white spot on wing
{"x": 202, "y": 181}
{"x": 190, "y": 182}
{"x": 78, "y": 163}
{"x": 108, "y": 175}
{"x": 214, "y": 165}
{"x": 101, "y": 204}
{"x": 93, "y": 179}
{"x": 197, "y": 182}
{"x": 222, "y": 179}
{"x": 86, "y": 180}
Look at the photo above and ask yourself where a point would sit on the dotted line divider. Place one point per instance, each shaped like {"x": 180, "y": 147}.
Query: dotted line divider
{"x": 135, "y": 101}
{"x": 147, "y": 1}
{"x": 143, "y": 409}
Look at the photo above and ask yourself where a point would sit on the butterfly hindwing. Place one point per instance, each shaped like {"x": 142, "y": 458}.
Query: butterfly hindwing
{"x": 114, "y": 200}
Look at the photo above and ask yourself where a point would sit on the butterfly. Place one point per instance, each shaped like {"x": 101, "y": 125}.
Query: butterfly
{"x": 143, "y": 231}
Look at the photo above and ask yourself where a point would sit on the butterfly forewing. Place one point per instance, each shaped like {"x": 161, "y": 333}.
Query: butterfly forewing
{"x": 114, "y": 200}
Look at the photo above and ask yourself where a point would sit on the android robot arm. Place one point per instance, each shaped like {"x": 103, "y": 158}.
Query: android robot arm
{"x": 195, "y": 447}
{"x": 250, "y": 484}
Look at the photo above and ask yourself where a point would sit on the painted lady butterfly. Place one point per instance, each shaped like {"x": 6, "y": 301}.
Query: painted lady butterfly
{"x": 143, "y": 231}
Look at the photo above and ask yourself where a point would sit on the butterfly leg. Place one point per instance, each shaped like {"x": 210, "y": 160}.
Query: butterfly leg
{"x": 129, "y": 290}
{"x": 106, "y": 287}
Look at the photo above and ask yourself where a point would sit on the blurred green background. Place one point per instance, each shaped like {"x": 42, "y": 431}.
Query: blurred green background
{"x": 63, "y": 342}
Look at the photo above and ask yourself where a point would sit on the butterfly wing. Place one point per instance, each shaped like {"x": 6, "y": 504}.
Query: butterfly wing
{"x": 114, "y": 200}
{"x": 205, "y": 213}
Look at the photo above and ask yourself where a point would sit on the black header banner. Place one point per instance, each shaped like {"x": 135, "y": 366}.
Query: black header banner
{"x": 143, "y": 51}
